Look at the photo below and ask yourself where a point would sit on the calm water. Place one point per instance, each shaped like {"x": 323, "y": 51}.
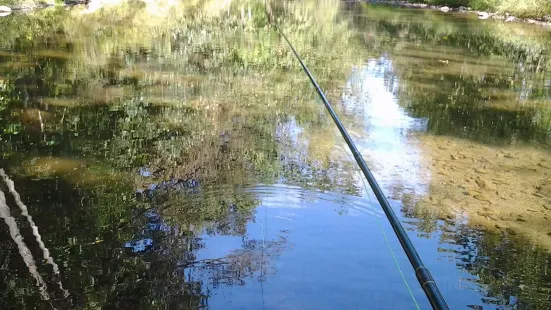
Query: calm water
{"x": 171, "y": 156}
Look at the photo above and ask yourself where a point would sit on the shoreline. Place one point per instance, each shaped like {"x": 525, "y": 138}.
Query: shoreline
{"x": 544, "y": 21}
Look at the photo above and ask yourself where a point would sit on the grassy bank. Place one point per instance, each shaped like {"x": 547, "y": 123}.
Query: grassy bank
{"x": 518, "y": 8}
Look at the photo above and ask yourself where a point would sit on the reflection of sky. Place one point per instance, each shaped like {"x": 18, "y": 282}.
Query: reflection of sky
{"x": 386, "y": 146}
{"x": 289, "y": 131}
{"x": 293, "y": 150}
{"x": 329, "y": 261}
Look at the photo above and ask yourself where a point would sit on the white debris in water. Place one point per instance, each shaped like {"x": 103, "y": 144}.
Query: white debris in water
{"x": 483, "y": 15}
{"x": 25, "y": 212}
{"x": 24, "y": 251}
{"x": 4, "y": 11}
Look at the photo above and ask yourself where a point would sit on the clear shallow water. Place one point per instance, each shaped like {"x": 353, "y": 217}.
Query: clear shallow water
{"x": 187, "y": 164}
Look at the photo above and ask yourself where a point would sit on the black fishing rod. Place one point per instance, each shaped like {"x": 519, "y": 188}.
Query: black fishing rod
{"x": 423, "y": 275}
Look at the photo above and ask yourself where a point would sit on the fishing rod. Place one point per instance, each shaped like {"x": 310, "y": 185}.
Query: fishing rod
{"x": 422, "y": 273}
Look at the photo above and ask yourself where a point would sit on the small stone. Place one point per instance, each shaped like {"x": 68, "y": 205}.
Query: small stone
{"x": 510, "y": 231}
{"x": 545, "y": 190}
{"x": 453, "y": 157}
{"x": 544, "y": 165}
{"x": 481, "y": 197}
{"x": 502, "y": 182}
{"x": 481, "y": 183}
{"x": 481, "y": 171}
{"x": 521, "y": 219}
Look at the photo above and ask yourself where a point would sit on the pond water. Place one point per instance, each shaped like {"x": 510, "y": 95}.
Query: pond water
{"x": 174, "y": 156}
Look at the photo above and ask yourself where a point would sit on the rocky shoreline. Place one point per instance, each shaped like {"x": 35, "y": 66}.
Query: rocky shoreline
{"x": 545, "y": 21}
{"x": 6, "y": 10}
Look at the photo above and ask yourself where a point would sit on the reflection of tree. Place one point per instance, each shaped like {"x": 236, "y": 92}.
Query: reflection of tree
{"x": 87, "y": 101}
{"x": 485, "y": 82}
{"x": 252, "y": 259}
{"x": 511, "y": 272}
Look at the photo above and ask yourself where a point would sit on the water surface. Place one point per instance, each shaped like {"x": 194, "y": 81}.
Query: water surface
{"x": 175, "y": 157}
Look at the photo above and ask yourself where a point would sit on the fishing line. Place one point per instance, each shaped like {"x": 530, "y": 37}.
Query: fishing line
{"x": 390, "y": 248}
{"x": 422, "y": 273}
{"x": 264, "y": 232}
